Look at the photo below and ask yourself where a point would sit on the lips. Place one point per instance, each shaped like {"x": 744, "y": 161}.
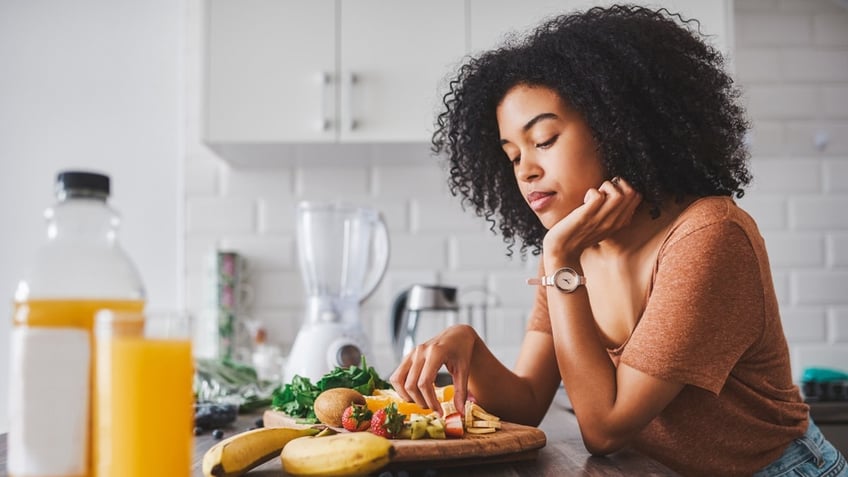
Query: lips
{"x": 539, "y": 200}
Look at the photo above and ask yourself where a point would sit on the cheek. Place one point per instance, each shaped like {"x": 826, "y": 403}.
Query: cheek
{"x": 522, "y": 189}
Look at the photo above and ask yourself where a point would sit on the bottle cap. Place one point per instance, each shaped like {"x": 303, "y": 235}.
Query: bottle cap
{"x": 82, "y": 184}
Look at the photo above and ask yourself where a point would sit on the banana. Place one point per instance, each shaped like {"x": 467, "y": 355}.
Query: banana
{"x": 238, "y": 454}
{"x": 344, "y": 454}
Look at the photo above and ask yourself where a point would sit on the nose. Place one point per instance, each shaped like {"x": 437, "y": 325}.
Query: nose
{"x": 528, "y": 168}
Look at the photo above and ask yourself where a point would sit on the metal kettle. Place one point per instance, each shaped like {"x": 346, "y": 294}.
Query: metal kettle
{"x": 413, "y": 304}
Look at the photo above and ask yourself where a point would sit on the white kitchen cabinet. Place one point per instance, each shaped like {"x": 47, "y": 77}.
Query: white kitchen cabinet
{"x": 319, "y": 71}
{"x": 269, "y": 69}
{"x": 328, "y": 70}
{"x": 398, "y": 52}
{"x": 491, "y": 21}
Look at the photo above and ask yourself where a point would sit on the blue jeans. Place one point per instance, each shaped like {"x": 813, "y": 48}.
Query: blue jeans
{"x": 807, "y": 456}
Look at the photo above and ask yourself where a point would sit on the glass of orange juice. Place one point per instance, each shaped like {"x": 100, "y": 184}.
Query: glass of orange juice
{"x": 143, "y": 401}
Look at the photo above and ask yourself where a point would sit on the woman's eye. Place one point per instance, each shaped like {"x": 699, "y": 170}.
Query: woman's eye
{"x": 550, "y": 142}
{"x": 515, "y": 161}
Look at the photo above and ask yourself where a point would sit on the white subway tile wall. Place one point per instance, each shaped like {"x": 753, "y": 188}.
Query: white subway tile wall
{"x": 792, "y": 63}
{"x": 791, "y": 60}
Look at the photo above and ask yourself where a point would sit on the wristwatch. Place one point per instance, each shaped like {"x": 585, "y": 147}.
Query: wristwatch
{"x": 566, "y": 279}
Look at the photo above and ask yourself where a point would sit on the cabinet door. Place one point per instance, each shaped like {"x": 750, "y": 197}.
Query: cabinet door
{"x": 492, "y": 20}
{"x": 394, "y": 55}
{"x": 270, "y": 70}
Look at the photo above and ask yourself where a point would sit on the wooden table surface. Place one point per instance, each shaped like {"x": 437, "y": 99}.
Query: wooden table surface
{"x": 563, "y": 455}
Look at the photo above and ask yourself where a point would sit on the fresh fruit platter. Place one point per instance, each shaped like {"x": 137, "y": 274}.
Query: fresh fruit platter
{"x": 352, "y": 423}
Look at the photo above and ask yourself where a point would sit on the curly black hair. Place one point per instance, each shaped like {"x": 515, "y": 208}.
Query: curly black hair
{"x": 660, "y": 106}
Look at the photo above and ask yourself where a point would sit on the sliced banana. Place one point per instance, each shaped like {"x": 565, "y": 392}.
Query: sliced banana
{"x": 479, "y": 421}
{"x": 480, "y": 430}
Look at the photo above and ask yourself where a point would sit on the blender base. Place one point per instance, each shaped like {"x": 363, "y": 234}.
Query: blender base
{"x": 321, "y": 347}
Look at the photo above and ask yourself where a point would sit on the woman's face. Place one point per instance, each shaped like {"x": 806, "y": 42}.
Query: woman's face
{"x": 554, "y": 156}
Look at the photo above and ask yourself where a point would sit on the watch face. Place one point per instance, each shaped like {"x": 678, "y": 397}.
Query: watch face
{"x": 566, "y": 279}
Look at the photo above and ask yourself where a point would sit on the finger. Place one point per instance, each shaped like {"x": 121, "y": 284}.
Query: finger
{"x": 412, "y": 379}
{"x": 594, "y": 197}
{"x": 612, "y": 189}
{"x": 621, "y": 183}
{"x": 460, "y": 390}
{"x": 428, "y": 389}
{"x": 398, "y": 378}
{"x": 632, "y": 197}
{"x": 607, "y": 208}
{"x": 427, "y": 379}
{"x": 625, "y": 187}
{"x": 620, "y": 202}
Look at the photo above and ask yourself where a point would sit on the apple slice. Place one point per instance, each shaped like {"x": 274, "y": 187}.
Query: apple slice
{"x": 453, "y": 425}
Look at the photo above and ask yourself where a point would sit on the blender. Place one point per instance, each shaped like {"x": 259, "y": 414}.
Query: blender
{"x": 343, "y": 252}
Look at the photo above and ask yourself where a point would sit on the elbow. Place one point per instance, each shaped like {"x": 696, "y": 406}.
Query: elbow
{"x": 599, "y": 449}
{"x": 534, "y": 421}
{"x": 601, "y": 444}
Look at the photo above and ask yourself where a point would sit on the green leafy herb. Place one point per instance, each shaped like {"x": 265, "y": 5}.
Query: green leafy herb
{"x": 361, "y": 378}
{"x": 297, "y": 398}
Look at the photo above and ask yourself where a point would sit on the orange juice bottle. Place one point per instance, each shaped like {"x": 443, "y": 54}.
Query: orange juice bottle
{"x": 79, "y": 270}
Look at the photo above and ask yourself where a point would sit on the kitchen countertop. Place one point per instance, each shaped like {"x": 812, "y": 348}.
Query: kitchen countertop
{"x": 563, "y": 454}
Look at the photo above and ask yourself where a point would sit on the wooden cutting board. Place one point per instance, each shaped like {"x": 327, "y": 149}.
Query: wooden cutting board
{"x": 510, "y": 443}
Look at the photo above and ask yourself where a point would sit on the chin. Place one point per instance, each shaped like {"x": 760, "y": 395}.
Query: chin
{"x": 547, "y": 220}
{"x": 551, "y": 217}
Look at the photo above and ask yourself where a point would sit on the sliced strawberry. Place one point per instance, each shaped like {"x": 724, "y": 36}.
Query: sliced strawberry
{"x": 453, "y": 425}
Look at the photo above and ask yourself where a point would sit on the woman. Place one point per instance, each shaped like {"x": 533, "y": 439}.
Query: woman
{"x": 611, "y": 142}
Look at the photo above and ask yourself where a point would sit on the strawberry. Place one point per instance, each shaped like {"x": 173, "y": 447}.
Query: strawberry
{"x": 453, "y": 425}
{"x": 387, "y": 422}
{"x": 356, "y": 417}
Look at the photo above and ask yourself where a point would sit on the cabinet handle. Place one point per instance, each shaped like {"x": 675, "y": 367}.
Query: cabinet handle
{"x": 352, "y": 80}
{"x": 324, "y": 81}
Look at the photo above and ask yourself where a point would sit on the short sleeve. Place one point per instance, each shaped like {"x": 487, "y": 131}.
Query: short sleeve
{"x": 705, "y": 310}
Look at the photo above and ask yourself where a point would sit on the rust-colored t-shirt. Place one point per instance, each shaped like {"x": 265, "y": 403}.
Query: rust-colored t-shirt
{"x": 711, "y": 322}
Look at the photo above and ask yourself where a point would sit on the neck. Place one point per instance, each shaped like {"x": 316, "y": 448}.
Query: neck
{"x": 643, "y": 228}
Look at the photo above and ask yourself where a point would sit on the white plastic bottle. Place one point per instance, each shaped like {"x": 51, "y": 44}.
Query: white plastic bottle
{"x": 79, "y": 270}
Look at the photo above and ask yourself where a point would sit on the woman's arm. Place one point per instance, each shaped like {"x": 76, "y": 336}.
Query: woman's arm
{"x": 525, "y": 394}
{"x": 611, "y": 404}
{"x": 521, "y": 396}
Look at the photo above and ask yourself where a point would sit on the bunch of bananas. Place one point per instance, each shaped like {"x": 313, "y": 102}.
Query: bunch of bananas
{"x": 301, "y": 451}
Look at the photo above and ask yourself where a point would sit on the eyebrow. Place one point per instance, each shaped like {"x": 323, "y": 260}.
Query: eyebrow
{"x": 533, "y": 122}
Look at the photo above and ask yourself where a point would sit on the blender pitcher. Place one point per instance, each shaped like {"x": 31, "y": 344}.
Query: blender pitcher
{"x": 343, "y": 252}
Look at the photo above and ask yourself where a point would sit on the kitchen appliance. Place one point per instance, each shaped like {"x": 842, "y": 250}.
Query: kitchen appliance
{"x": 419, "y": 313}
{"x": 343, "y": 252}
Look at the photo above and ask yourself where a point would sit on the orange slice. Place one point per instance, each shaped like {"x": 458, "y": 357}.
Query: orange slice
{"x": 445, "y": 393}
{"x": 410, "y": 408}
{"x": 376, "y": 403}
